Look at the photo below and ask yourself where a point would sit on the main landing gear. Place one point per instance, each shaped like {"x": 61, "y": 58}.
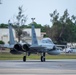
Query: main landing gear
{"x": 43, "y": 57}
{"x": 24, "y": 59}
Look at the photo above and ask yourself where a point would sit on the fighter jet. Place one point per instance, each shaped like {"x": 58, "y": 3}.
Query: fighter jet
{"x": 44, "y": 46}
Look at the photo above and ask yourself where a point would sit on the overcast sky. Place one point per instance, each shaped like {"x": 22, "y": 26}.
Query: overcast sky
{"x": 38, "y": 9}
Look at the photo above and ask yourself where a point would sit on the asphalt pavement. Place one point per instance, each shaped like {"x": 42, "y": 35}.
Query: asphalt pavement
{"x": 35, "y": 67}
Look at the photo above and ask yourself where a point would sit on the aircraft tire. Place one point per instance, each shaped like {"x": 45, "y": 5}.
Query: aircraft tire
{"x": 24, "y": 59}
{"x": 42, "y": 59}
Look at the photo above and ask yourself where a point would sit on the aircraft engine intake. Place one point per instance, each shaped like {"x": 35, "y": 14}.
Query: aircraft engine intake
{"x": 18, "y": 47}
{"x": 26, "y": 47}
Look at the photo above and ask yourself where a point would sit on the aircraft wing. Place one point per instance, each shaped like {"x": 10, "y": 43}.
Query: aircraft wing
{"x": 7, "y": 46}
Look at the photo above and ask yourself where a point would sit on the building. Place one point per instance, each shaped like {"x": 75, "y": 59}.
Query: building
{"x": 4, "y": 34}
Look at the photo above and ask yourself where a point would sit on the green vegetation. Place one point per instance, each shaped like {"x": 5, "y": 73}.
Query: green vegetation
{"x": 21, "y": 19}
{"x": 3, "y": 25}
{"x": 63, "y": 28}
{"x": 2, "y": 42}
{"x": 8, "y": 56}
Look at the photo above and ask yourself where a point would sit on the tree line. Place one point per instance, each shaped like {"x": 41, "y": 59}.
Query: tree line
{"x": 63, "y": 28}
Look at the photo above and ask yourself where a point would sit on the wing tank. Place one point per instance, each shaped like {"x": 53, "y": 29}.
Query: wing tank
{"x": 54, "y": 52}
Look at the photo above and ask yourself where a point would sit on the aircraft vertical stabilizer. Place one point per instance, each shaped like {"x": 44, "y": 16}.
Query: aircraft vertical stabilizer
{"x": 34, "y": 38}
{"x": 11, "y": 36}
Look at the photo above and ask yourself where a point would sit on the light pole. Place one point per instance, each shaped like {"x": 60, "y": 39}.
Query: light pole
{"x": 32, "y": 19}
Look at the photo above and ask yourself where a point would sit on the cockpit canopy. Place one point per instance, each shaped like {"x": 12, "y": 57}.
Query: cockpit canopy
{"x": 47, "y": 40}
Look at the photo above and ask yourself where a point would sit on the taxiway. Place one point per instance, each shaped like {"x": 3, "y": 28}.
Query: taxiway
{"x": 35, "y": 67}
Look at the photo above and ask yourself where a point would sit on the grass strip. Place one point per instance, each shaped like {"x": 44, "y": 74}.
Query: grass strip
{"x": 8, "y": 56}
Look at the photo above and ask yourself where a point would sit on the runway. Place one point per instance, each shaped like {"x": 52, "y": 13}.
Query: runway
{"x": 35, "y": 67}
